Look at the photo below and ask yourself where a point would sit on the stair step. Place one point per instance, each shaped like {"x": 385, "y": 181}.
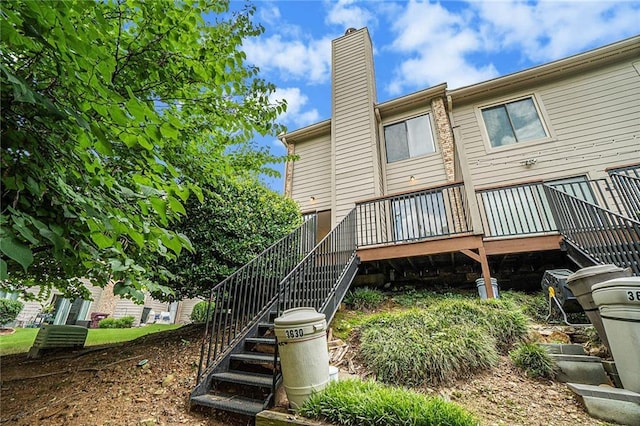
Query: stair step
{"x": 255, "y": 358}
{"x": 261, "y": 340}
{"x": 564, "y": 349}
{"x": 250, "y": 379}
{"x": 233, "y": 403}
{"x": 610, "y": 404}
{"x": 582, "y": 369}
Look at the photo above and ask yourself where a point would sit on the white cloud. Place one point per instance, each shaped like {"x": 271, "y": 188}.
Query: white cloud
{"x": 296, "y": 102}
{"x": 436, "y": 42}
{"x": 269, "y": 13}
{"x": 292, "y": 59}
{"x": 348, "y": 15}
{"x": 545, "y": 31}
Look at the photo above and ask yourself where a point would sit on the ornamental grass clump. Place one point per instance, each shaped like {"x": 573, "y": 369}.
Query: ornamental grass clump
{"x": 416, "y": 348}
{"x": 534, "y": 360}
{"x": 354, "y": 402}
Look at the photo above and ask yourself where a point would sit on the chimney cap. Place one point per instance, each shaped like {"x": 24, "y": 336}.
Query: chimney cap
{"x": 350, "y": 30}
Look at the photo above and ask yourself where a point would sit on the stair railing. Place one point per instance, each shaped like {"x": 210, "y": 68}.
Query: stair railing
{"x": 601, "y": 234}
{"x": 628, "y": 188}
{"x": 324, "y": 267}
{"x": 236, "y": 303}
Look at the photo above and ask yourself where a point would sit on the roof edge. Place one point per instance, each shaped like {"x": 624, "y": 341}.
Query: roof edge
{"x": 316, "y": 129}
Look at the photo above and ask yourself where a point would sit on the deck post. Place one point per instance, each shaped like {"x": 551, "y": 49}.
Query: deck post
{"x": 486, "y": 273}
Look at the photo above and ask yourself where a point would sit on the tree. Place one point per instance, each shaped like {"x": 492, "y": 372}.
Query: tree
{"x": 112, "y": 112}
{"x": 237, "y": 221}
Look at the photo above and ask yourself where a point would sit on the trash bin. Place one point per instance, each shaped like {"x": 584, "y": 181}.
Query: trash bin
{"x": 580, "y": 283}
{"x": 482, "y": 290}
{"x": 304, "y": 357}
{"x": 96, "y": 317}
{"x": 619, "y": 303}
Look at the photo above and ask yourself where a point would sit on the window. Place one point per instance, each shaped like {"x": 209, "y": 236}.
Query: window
{"x": 513, "y": 122}
{"x": 409, "y": 139}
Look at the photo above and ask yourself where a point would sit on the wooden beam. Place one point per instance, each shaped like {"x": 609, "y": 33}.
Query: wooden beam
{"x": 522, "y": 244}
{"x": 422, "y": 248}
{"x": 486, "y": 273}
{"x": 475, "y": 256}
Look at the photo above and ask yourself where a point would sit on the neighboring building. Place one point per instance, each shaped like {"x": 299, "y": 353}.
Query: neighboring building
{"x": 79, "y": 311}
{"x": 448, "y": 184}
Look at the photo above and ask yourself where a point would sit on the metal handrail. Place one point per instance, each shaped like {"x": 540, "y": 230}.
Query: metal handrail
{"x": 413, "y": 216}
{"x": 243, "y": 298}
{"x": 606, "y": 236}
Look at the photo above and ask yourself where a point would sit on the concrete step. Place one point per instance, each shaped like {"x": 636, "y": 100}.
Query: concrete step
{"x": 560, "y": 348}
{"x": 582, "y": 369}
{"x": 609, "y": 404}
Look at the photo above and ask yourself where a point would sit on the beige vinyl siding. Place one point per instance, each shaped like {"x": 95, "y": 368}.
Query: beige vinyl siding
{"x": 183, "y": 315}
{"x": 428, "y": 170}
{"x": 312, "y": 174}
{"x": 96, "y": 294}
{"x": 126, "y": 307}
{"x": 353, "y": 125}
{"x": 595, "y": 118}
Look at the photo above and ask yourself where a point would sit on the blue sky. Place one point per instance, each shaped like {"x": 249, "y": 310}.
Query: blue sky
{"x": 418, "y": 44}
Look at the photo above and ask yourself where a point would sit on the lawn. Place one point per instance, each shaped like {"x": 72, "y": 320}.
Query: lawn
{"x": 22, "y": 339}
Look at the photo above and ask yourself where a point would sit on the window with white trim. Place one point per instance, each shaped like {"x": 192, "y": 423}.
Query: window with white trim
{"x": 408, "y": 139}
{"x": 513, "y": 122}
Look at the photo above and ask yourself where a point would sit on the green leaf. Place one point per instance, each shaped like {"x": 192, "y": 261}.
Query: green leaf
{"x": 101, "y": 240}
{"x": 3, "y": 270}
{"x": 17, "y": 251}
{"x": 168, "y": 131}
{"x": 160, "y": 207}
{"x": 176, "y": 206}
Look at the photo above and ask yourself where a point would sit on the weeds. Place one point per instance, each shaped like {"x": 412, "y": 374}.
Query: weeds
{"x": 364, "y": 298}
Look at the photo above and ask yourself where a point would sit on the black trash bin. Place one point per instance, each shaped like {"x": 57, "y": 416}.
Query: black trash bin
{"x": 96, "y": 317}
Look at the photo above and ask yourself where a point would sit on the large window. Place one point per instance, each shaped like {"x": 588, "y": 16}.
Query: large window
{"x": 408, "y": 139}
{"x": 513, "y": 122}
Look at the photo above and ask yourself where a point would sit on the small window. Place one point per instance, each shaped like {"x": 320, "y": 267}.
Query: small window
{"x": 513, "y": 122}
{"x": 409, "y": 139}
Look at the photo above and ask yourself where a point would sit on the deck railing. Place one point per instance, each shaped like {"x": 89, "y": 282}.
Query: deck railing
{"x": 415, "y": 216}
{"x": 244, "y": 297}
{"x": 628, "y": 188}
{"x": 603, "y": 235}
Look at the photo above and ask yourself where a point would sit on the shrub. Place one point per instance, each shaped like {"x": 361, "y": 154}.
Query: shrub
{"x": 534, "y": 360}
{"x": 418, "y": 347}
{"x": 364, "y": 298}
{"x": 354, "y": 402}
{"x": 124, "y": 322}
{"x": 9, "y": 310}
{"x": 199, "y": 312}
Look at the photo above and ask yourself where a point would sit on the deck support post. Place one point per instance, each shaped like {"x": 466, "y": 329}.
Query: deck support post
{"x": 481, "y": 258}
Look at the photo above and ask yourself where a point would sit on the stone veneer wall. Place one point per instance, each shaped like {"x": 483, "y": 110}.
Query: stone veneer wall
{"x": 445, "y": 136}
{"x": 288, "y": 171}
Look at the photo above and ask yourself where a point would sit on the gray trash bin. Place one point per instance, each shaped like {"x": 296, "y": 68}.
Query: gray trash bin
{"x": 304, "y": 356}
{"x": 482, "y": 290}
{"x": 580, "y": 283}
{"x": 619, "y": 303}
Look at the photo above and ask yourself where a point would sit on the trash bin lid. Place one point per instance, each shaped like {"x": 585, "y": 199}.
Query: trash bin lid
{"x": 298, "y": 316}
{"x": 591, "y": 271}
{"x": 618, "y": 282}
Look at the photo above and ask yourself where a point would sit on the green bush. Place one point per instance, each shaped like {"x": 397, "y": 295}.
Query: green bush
{"x": 124, "y": 322}
{"x": 364, "y": 298}
{"x": 418, "y": 347}
{"x": 199, "y": 312}
{"x": 534, "y": 360}
{"x": 354, "y": 402}
{"x": 9, "y": 310}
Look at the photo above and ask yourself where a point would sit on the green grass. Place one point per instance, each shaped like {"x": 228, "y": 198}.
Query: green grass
{"x": 22, "y": 339}
{"x": 534, "y": 360}
{"x": 354, "y": 402}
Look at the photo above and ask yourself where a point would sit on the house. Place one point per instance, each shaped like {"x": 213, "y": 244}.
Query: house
{"x": 61, "y": 310}
{"x": 506, "y": 178}
{"x": 448, "y": 184}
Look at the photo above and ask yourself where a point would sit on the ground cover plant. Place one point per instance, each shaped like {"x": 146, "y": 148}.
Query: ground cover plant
{"x": 356, "y": 402}
{"x": 451, "y": 339}
{"x": 534, "y": 360}
{"x": 364, "y": 298}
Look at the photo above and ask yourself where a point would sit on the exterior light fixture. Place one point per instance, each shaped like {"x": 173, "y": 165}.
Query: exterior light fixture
{"x": 312, "y": 199}
{"x": 412, "y": 179}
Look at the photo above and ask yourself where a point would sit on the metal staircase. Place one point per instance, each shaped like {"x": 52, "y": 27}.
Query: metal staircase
{"x": 594, "y": 234}
{"x": 239, "y": 366}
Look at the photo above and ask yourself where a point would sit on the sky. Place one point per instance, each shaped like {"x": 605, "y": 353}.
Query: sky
{"x": 419, "y": 44}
